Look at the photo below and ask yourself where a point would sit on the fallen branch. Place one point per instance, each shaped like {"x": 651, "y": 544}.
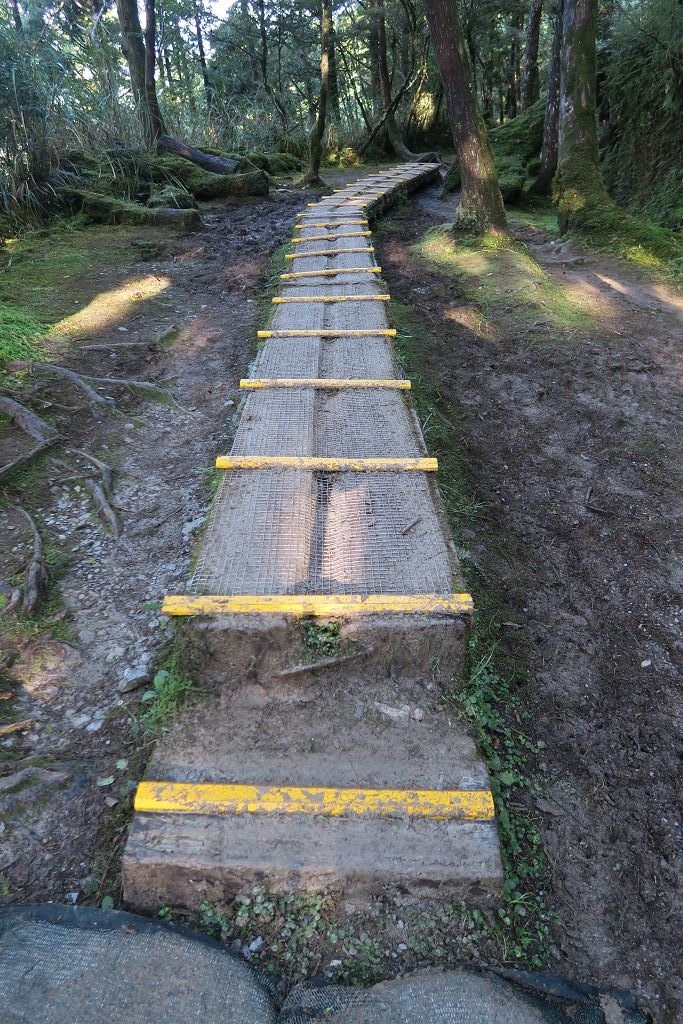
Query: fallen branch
{"x": 5, "y": 730}
{"x": 36, "y": 571}
{"x": 29, "y": 421}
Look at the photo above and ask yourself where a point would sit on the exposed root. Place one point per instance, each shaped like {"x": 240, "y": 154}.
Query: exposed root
{"x": 36, "y": 575}
{"x": 97, "y": 493}
{"x": 13, "y": 599}
{"x": 27, "y": 420}
{"x": 102, "y": 505}
{"x": 94, "y": 399}
{"x": 104, "y": 469}
{"x": 27, "y": 456}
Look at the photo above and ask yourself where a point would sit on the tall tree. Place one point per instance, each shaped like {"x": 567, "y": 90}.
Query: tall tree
{"x": 578, "y": 184}
{"x": 481, "y": 206}
{"x": 530, "y": 79}
{"x": 141, "y": 59}
{"x": 315, "y": 138}
{"x": 551, "y": 119}
{"x": 208, "y": 88}
{"x": 394, "y": 136}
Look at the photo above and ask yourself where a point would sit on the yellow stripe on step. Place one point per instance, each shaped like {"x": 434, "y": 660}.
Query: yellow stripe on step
{"x": 332, "y": 298}
{"x": 332, "y": 802}
{"x": 253, "y": 383}
{"x": 326, "y": 465}
{"x": 331, "y": 236}
{"x": 332, "y": 332}
{"x": 331, "y": 273}
{"x": 327, "y": 252}
{"x": 322, "y": 606}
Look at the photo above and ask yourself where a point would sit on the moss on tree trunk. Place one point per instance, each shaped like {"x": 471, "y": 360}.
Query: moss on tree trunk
{"x": 579, "y": 189}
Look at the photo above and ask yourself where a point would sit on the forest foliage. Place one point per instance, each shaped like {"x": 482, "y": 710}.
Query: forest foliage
{"x": 248, "y": 83}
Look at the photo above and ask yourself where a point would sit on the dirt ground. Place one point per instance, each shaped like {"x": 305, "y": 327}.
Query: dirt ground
{"x": 574, "y": 448}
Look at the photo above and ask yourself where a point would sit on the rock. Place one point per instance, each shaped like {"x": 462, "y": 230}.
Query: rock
{"x": 134, "y": 678}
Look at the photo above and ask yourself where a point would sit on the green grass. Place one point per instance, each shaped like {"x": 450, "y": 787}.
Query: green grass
{"x": 540, "y": 215}
{"x": 171, "y": 688}
{"x": 20, "y": 334}
{"x": 322, "y": 639}
{"x": 506, "y": 283}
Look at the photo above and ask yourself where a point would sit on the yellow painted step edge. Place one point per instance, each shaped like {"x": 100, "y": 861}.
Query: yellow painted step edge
{"x": 331, "y": 273}
{"x": 317, "y": 605}
{"x": 332, "y": 298}
{"x": 332, "y": 332}
{"x": 331, "y": 236}
{"x": 327, "y": 465}
{"x": 332, "y": 802}
{"x": 327, "y": 252}
{"x": 253, "y": 383}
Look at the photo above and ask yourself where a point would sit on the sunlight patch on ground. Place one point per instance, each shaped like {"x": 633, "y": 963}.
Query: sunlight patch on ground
{"x": 509, "y": 286}
{"x": 112, "y": 306}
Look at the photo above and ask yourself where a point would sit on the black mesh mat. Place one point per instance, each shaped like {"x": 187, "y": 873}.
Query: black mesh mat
{"x": 76, "y": 965}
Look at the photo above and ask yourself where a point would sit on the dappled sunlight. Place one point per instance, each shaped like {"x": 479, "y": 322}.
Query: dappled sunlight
{"x": 471, "y": 319}
{"x": 110, "y": 307}
{"x": 507, "y": 283}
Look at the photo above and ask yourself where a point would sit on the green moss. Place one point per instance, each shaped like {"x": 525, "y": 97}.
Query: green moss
{"x": 20, "y": 334}
{"x": 506, "y": 283}
{"x": 171, "y": 198}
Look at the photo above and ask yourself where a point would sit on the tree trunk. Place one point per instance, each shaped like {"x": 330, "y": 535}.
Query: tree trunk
{"x": 315, "y": 138}
{"x": 579, "y": 186}
{"x": 16, "y": 18}
{"x": 208, "y": 88}
{"x": 481, "y": 207}
{"x": 215, "y": 164}
{"x": 530, "y": 80}
{"x": 334, "y": 78}
{"x": 512, "y": 103}
{"x": 133, "y": 47}
{"x": 140, "y": 57}
{"x": 393, "y": 134}
{"x": 552, "y": 110}
{"x": 155, "y": 120}
{"x": 373, "y": 52}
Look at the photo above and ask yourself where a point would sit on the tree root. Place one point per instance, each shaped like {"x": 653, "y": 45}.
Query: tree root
{"x": 36, "y": 574}
{"x": 84, "y": 382}
{"x": 27, "y": 420}
{"x": 27, "y": 456}
{"x": 97, "y": 493}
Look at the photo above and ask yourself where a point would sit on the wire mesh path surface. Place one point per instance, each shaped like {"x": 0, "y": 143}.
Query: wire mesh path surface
{"x": 297, "y": 770}
{"x": 327, "y": 489}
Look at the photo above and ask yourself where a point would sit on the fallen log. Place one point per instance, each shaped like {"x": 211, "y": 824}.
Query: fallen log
{"x": 215, "y": 164}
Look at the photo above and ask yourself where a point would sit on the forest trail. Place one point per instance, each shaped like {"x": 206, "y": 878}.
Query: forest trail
{"x": 541, "y": 425}
{"x": 327, "y": 614}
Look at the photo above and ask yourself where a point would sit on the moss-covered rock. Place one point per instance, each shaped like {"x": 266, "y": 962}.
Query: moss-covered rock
{"x": 284, "y": 163}
{"x": 204, "y": 185}
{"x": 101, "y": 209}
{"x": 171, "y": 198}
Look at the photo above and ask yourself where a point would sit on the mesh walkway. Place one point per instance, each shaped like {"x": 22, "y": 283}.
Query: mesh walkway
{"x": 297, "y": 531}
{"x": 333, "y": 764}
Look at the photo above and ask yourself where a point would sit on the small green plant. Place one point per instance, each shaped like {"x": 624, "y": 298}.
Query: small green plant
{"x": 171, "y": 687}
{"x": 322, "y": 639}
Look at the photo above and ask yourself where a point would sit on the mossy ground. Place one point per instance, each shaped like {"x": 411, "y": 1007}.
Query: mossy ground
{"x": 509, "y": 287}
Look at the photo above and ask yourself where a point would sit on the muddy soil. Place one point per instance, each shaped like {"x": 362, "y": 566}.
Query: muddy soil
{"x": 68, "y": 775}
{"x": 574, "y": 447}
